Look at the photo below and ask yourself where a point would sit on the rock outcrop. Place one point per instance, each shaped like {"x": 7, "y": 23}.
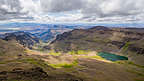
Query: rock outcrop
{"x": 24, "y": 38}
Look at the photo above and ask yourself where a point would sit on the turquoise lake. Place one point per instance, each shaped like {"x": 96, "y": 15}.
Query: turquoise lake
{"x": 112, "y": 57}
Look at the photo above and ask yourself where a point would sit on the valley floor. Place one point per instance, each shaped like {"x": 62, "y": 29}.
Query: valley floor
{"x": 90, "y": 67}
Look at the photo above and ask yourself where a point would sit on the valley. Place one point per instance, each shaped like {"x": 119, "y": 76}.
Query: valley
{"x": 71, "y": 40}
{"x": 94, "y": 54}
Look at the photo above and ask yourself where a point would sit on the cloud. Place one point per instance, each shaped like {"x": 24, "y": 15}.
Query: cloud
{"x": 100, "y": 8}
{"x": 11, "y": 9}
{"x": 73, "y": 10}
{"x": 62, "y": 5}
{"x": 113, "y": 10}
{"x": 121, "y": 7}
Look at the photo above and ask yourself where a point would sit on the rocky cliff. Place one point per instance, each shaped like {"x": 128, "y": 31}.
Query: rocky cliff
{"x": 24, "y": 38}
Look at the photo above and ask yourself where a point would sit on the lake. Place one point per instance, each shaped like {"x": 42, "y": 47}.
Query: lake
{"x": 112, "y": 57}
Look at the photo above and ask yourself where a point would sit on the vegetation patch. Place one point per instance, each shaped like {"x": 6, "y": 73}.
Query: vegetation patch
{"x": 54, "y": 53}
{"x": 1, "y": 54}
{"x": 129, "y": 63}
{"x": 64, "y": 65}
{"x": 94, "y": 57}
{"x": 79, "y": 52}
{"x": 126, "y": 46}
{"x": 138, "y": 80}
{"x": 3, "y": 62}
{"x": 36, "y": 62}
{"x": 135, "y": 72}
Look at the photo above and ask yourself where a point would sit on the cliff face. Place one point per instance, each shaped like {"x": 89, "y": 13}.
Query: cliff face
{"x": 49, "y": 34}
{"x": 24, "y": 38}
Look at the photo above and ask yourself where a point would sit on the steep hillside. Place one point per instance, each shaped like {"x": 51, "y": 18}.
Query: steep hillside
{"x": 24, "y": 38}
{"x": 98, "y": 38}
{"x": 45, "y": 36}
{"x": 49, "y": 34}
{"x": 125, "y": 41}
{"x": 17, "y": 65}
{"x": 20, "y": 64}
{"x": 10, "y": 49}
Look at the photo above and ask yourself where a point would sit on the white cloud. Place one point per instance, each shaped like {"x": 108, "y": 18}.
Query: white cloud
{"x": 72, "y": 10}
{"x": 31, "y": 6}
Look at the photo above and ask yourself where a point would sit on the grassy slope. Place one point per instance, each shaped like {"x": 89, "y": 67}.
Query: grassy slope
{"x": 91, "y": 67}
{"x": 68, "y": 67}
{"x": 16, "y": 65}
{"x": 134, "y": 50}
{"x": 119, "y": 41}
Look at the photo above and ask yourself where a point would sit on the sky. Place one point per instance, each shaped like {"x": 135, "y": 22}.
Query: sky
{"x": 82, "y": 11}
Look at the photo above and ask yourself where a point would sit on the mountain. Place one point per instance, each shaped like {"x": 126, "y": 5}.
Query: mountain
{"x": 124, "y": 41}
{"x": 98, "y": 38}
{"x": 49, "y": 34}
{"x": 18, "y": 63}
{"x": 10, "y": 49}
{"x": 45, "y": 32}
{"x": 24, "y": 38}
{"x": 45, "y": 36}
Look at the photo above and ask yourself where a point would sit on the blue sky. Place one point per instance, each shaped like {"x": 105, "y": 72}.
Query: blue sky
{"x": 72, "y": 11}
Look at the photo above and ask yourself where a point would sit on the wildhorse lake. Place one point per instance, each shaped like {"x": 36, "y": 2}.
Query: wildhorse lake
{"x": 112, "y": 57}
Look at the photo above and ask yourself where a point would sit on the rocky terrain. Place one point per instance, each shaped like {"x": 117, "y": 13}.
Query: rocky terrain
{"x": 50, "y": 34}
{"x": 24, "y": 38}
{"x": 74, "y": 56}
{"x": 124, "y": 41}
{"x": 45, "y": 32}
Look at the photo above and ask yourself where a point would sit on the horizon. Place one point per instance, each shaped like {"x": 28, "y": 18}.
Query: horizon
{"x": 124, "y": 25}
{"x": 20, "y": 15}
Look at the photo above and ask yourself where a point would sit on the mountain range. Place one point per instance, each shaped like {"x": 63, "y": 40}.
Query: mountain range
{"x": 97, "y": 53}
{"x": 123, "y": 41}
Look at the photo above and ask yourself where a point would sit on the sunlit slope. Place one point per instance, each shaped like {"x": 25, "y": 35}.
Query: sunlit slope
{"x": 88, "y": 66}
{"x": 123, "y": 41}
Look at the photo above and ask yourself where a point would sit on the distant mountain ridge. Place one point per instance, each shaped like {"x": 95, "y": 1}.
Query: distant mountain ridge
{"x": 71, "y": 25}
{"x": 39, "y": 29}
{"x": 45, "y": 32}
{"x": 24, "y": 38}
{"x": 49, "y": 34}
